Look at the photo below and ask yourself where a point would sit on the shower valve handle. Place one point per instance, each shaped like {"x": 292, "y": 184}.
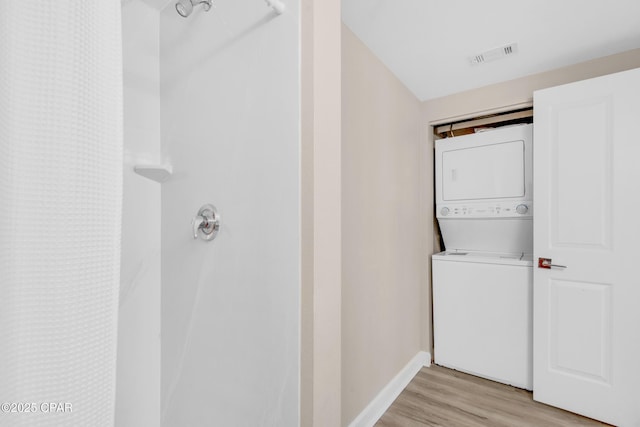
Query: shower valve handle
{"x": 198, "y": 223}
{"x": 206, "y": 223}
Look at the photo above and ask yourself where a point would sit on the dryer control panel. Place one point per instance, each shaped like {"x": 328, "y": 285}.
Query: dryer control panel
{"x": 514, "y": 209}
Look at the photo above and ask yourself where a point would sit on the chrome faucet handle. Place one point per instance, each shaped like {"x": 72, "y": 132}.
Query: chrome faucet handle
{"x": 197, "y": 223}
{"x": 206, "y": 223}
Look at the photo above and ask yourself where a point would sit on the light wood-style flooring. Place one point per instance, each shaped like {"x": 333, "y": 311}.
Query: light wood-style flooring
{"x": 444, "y": 397}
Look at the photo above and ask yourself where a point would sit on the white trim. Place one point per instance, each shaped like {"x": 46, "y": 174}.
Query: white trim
{"x": 482, "y": 113}
{"x": 379, "y": 405}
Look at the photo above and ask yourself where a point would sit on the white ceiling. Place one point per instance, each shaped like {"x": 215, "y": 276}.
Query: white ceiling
{"x": 427, "y": 43}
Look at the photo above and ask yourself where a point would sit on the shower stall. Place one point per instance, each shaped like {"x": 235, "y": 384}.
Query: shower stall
{"x": 211, "y": 105}
{"x": 151, "y": 225}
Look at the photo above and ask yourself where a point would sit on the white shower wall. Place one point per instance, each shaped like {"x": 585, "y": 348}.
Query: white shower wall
{"x": 230, "y": 127}
{"x": 138, "y": 372}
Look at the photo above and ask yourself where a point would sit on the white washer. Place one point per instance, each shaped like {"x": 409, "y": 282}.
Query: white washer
{"x": 482, "y": 315}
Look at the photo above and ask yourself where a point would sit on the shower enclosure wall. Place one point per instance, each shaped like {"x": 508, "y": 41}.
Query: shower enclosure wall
{"x": 216, "y": 96}
{"x": 138, "y": 362}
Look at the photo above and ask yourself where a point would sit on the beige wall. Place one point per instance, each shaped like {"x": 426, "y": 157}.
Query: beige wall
{"x": 504, "y": 96}
{"x": 384, "y": 268}
{"x": 320, "y": 394}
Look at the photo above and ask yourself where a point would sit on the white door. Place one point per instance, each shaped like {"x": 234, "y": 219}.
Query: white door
{"x": 586, "y": 217}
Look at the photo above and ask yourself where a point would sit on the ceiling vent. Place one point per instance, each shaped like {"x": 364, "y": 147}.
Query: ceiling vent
{"x": 494, "y": 54}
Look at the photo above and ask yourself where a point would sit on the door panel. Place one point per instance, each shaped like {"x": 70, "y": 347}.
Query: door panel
{"x": 585, "y": 186}
{"x": 586, "y": 195}
{"x": 580, "y": 329}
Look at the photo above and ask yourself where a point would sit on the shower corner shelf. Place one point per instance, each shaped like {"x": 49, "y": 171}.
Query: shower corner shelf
{"x": 157, "y": 173}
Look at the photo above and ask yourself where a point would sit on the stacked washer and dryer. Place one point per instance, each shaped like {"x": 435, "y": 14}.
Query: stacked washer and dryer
{"x": 482, "y": 283}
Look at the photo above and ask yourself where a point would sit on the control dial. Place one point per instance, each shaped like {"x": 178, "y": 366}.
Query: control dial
{"x": 444, "y": 211}
{"x": 522, "y": 209}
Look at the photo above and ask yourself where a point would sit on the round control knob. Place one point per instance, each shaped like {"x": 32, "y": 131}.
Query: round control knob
{"x": 444, "y": 211}
{"x": 522, "y": 209}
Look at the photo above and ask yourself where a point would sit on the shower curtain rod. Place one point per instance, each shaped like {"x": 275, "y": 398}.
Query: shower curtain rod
{"x": 185, "y": 7}
{"x": 277, "y": 5}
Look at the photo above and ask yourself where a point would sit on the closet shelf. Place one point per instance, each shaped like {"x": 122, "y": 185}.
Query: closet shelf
{"x": 157, "y": 173}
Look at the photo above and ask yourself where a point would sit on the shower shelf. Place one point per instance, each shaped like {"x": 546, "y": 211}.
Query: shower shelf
{"x": 157, "y": 173}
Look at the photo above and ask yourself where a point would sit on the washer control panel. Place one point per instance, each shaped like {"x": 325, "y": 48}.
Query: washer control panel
{"x": 520, "y": 208}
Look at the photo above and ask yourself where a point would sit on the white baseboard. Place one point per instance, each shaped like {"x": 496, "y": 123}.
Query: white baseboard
{"x": 379, "y": 405}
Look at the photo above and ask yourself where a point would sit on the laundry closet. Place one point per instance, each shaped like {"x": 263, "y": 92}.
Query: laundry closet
{"x": 536, "y": 284}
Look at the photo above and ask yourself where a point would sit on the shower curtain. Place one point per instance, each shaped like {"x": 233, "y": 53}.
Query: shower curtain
{"x": 60, "y": 207}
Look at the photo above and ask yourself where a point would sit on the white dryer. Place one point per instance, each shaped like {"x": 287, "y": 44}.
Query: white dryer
{"x": 482, "y": 283}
